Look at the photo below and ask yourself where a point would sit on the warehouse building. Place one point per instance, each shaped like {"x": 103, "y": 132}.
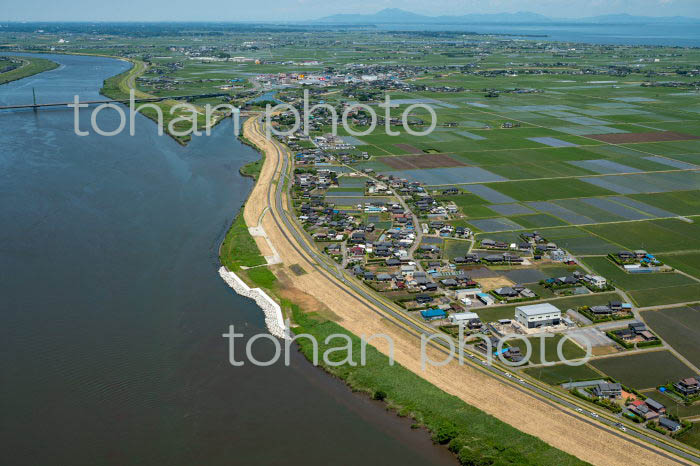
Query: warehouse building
{"x": 538, "y": 315}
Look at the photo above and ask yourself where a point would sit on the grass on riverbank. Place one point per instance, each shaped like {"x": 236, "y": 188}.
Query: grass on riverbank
{"x": 30, "y": 67}
{"x": 117, "y": 87}
{"x": 252, "y": 169}
{"x": 239, "y": 248}
{"x": 475, "y": 437}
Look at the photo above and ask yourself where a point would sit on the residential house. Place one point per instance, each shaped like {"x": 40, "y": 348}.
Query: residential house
{"x": 596, "y": 281}
{"x": 506, "y": 292}
{"x": 557, "y": 255}
{"x": 423, "y": 299}
{"x": 608, "y": 390}
{"x": 449, "y": 282}
{"x": 430, "y": 286}
{"x": 626, "y": 255}
{"x": 669, "y": 424}
{"x": 640, "y": 408}
{"x": 655, "y": 406}
{"x": 600, "y": 310}
{"x": 689, "y": 386}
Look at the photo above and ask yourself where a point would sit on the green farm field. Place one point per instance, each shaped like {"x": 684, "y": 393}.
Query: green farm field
{"x": 570, "y": 350}
{"x": 692, "y": 437}
{"x": 688, "y": 262}
{"x": 655, "y": 236}
{"x": 562, "y": 373}
{"x": 643, "y": 370}
{"x": 28, "y": 67}
{"x": 680, "y": 328}
{"x": 649, "y": 289}
{"x": 493, "y": 313}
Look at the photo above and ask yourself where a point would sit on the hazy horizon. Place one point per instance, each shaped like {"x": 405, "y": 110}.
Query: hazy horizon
{"x": 299, "y": 10}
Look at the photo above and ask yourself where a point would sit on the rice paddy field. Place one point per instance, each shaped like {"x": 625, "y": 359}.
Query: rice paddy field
{"x": 562, "y": 373}
{"x": 648, "y": 289}
{"x": 570, "y": 350}
{"x": 595, "y": 165}
{"x": 680, "y": 328}
{"x": 692, "y": 437}
{"x": 643, "y": 370}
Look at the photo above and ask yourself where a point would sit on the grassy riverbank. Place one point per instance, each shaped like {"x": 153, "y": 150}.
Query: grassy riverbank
{"x": 252, "y": 169}
{"x": 29, "y": 67}
{"x": 240, "y": 254}
{"x": 117, "y": 87}
{"x": 239, "y": 248}
{"x": 475, "y": 437}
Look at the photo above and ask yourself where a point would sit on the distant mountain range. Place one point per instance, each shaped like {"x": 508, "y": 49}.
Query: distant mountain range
{"x": 396, "y": 15}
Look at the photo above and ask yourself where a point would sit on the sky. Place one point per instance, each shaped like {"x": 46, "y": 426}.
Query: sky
{"x": 295, "y": 10}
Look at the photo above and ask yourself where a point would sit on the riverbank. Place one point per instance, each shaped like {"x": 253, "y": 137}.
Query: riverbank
{"x": 550, "y": 429}
{"x": 118, "y": 87}
{"x": 30, "y": 67}
{"x": 252, "y": 169}
{"x": 273, "y": 312}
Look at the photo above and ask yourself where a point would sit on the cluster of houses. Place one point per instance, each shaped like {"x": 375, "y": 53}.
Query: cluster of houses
{"x": 511, "y": 353}
{"x": 647, "y": 409}
{"x": 494, "y": 259}
{"x": 514, "y": 292}
{"x": 531, "y": 242}
{"x": 595, "y": 282}
{"x": 308, "y": 181}
{"x": 638, "y": 261}
{"x": 444, "y": 230}
{"x": 612, "y": 308}
{"x": 635, "y": 332}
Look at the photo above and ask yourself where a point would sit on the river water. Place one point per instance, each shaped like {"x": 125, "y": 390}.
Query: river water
{"x": 112, "y": 309}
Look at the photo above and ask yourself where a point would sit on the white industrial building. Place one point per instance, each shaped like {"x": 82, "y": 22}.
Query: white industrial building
{"x": 538, "y": 315}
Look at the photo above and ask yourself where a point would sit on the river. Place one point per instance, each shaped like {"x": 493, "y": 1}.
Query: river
{"x": 112, "y": 309}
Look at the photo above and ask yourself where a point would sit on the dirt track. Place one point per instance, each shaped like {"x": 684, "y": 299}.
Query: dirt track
{"x": 564, "y": 430}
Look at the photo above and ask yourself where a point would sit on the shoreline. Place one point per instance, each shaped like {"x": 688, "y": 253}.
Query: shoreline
{"x": 273, "y": 312}
{"x": 22, "y": 72}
